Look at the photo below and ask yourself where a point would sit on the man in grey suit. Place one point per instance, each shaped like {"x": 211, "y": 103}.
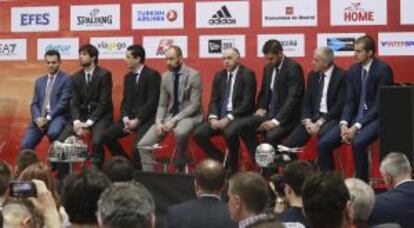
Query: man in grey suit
{"x": 179, "y": 109}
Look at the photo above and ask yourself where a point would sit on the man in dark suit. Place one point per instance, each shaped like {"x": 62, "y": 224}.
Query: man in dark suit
{"x": 92, "y": 107}
{"x": 323, "y": 101}
{"x": 232, "y": 97}
{"x": 138, "y": 106}
{"x": 359, "y": 121}
{"x": 397, "y": 204}
{"x": 50, "y": 103}
{"x": 279, "y": 100}
{"x": 208, "y": 210}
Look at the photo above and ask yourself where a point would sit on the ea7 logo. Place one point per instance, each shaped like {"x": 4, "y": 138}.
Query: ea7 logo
{"x": 7, "y": 49}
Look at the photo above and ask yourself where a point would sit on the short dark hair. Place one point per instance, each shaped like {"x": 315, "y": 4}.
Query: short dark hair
{"x": 272, "y": 47}
{"x": 368, "y": 42}
{"x": 295, "y": 174}
{"x": 252, "y": 189}
{"x": 119, "y": 169}
{"x": 137, "y": 51}
{"x": 325, "y": 197}
{"x": 6, "y": 176}
{"x": 126, "y": 204}
{"x": 53, "y": 52}
{"x": 81, "y": 193}
{"x": 210, "y": 175}
{"x": 26, "y": 158}
{"x": 91, "y": 50}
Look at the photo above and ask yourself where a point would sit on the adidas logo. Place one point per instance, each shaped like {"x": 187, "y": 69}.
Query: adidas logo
{"x": 222, "y": 17}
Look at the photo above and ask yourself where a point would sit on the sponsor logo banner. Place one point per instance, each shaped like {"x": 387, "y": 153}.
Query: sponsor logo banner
{"x": 293, "y": 44}
{"x": 396, "y": 43}
{"x": 214, "y": 45}
{"x": 112, "y": 47}
{"x": 35, "y": 19}
{"x": 279, "y": 13}
{"x": 155, "y": 46}
{"x": 13, "y": 49}
{"x": 223, "y": 14}
{"x": 67, "y": 47}
{"x": 158, "y": 16}
{"x": 358, "y": 12}
{"x": 341, "y": 43}
{"x": 95, "y": 17}
{"x": 407, "y": 15}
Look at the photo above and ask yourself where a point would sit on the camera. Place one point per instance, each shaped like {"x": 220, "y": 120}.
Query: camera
{"x": 22, "y": 189}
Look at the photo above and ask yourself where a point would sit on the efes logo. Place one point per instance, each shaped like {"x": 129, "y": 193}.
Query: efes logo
{"x": 8, "y": 49}
{"x": 63, "y": 49}
{"x": 222, "y": 17}
{"x": 34, "y": 19}
{"x": 163, "y": 45}
{"x": 111, "y": 46}
{"x": 341, "y": 43}
{"x": 355, "y": 12}
{"x": 219, "y": 45}
{"x": 94, "y": 19}
{"x": 157, "y": 15}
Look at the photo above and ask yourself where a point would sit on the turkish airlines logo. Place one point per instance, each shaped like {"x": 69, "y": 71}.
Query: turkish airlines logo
{"x": 355, "y": 12}
{"x": 222, "y": 17}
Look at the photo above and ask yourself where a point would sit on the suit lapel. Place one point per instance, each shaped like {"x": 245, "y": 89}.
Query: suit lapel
{"x": 237, "y": 81}
{"x": 182, "y": 83}
{"x": 54, "y": 88}
{"x": 332, "y": 85}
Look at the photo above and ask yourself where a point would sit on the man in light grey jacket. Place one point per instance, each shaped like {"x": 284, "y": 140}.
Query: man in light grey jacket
{"x": 179, "y": 109}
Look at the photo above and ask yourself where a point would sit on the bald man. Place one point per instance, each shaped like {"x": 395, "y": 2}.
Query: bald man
{"x": 232, "y": 98}
{"x": 209, "y": 183}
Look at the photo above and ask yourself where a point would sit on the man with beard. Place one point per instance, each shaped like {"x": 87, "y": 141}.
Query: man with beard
{"x": 92, "y": 107}
{"x": 179, "y": 109}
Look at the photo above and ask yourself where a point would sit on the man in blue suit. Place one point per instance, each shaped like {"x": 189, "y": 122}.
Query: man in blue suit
{"x": 50, "y": 104}
{"x": 359, "y": 121}
{"x": 397, "y": 204}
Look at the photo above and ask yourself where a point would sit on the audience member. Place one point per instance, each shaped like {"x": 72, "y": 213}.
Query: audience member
{"x": 6, "y": 175}
{"x": 119, "y": 169}
{"x": 24, "y": 159}
{"x": 362, "y": 201}
{"x": 270, "y": 221}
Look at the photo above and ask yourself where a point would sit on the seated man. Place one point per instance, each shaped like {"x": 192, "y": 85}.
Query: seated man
{"x": 232, "y": 97}
{"x": 323, "y": 101}
{"x": 179, "y": 109}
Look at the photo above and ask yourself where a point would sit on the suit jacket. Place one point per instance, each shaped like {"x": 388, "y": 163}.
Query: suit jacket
{"x": 59, "y": 96}
{"x": 289, "y": 87}
{"x": 140, "y": 100}
{"x": 93, "y": 102}
{"x": 379, "y": 74}
{"x": 204, "y": 212}
{"x": 189, "y": 95}
{"x": 244, "y": 92}
{"x": 335, "y": 96}
{"x": 394, "y": 206}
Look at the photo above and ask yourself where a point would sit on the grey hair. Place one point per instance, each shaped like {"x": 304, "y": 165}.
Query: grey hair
{"x": 362, "y": 197}
{"x": 235, "y": 50}
{"x": 326, "y": 54}
{"x": 396, "y": 165}
{"x": 126, "y": 204}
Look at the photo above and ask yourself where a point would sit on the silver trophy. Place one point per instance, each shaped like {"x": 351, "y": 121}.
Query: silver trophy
{"x": 72, "y": 150}
{"x": 265, "y": 155}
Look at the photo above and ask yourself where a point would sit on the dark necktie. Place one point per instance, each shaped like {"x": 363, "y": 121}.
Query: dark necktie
{"x": 136, "y": 75}
{"x": 320, "y": 93}
{"x": 88, "y": 79}
{"x": 363, "y": 95}
{"x": 46, "y": 100}
{"x": 273, "y": 102}
{"x": 176, "y": 105}
{"x": 225, "y": 102}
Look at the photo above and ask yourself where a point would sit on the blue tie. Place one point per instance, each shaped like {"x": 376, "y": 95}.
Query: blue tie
{"x": 175, "y": 108}
{"x": 225, "y": 102}
{"x": 363, "y": 95}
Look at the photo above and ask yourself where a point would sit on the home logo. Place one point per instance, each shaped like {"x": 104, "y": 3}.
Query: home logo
{"x": 163, "y": 45}
{"x": 219, "y": 45}
{"x": 94, "y": 19}
{"x": 222, "y": 16}
{"x": 355, "y": 12}
{"x": 341, "y": 43}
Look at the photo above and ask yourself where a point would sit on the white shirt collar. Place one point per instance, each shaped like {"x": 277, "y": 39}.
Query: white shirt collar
{"x": 139, "y": 70}
{"x": 210, "y": 195}
{"x": 367, "y": 66}
{"x": 328, "y": 73}
{"x": 402, "y": 182}
{"x": 234, "y": 72}
{"x": 54, "y": 75}
{"x": 89, "y": 72}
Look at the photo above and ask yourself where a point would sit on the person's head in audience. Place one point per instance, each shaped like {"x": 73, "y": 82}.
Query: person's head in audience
{"x": 81, "y": 193}
{"x": 126, "y": 204}
{"x": 268, "y": 221}
{"x": 25, "y": 158}
{"x": 325, "y": 201}
{"x": 21, "y": 214}
{"x": 394, "y": 169}
{"x": 119, "y": 169}
{"x": 40, "y": 171}
{"x": 209, "y": 177}
{"x": 294, "y": 176}
{"x": 248, "y": 195}
{"x": 6, "y": 175}
{"x": 362, "y": 201}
